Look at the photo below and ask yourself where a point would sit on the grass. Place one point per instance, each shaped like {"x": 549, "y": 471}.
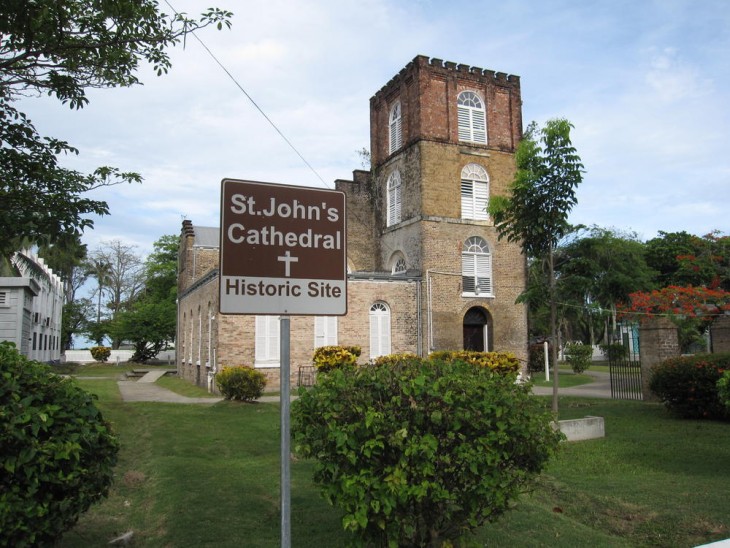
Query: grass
{"x": 565, "y": 379}
{"x": 192, "y": 475}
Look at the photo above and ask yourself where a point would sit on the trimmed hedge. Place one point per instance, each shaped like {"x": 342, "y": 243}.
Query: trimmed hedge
{"x": 578, "y": 356}
{"x": 240, "y": 383}
{"x": 499, "y": 362}
{"x": 57, "y": 453}
{"x": 688, "y": 385}
{"x": 101, "y": 353}
{"x": 421, "y": 452}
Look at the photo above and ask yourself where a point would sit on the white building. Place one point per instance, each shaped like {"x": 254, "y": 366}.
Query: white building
{"x": 30, "y": 309}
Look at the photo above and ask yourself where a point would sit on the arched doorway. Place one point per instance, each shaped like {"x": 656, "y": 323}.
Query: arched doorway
{"x": 477, "y": 330}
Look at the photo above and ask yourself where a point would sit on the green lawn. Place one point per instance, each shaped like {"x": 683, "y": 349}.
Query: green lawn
{"x": 193, "y": 475}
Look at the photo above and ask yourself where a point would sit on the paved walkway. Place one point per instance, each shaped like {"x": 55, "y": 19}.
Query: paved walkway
{"x": 599, "y": 388}
{"x": 146, "y": 389}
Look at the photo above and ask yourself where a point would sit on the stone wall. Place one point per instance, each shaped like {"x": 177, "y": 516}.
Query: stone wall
{"x": 720, "y": 334}
{"x": 659, "y": 342}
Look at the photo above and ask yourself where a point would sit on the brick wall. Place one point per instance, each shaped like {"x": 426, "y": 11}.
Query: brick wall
{"x": 428, "y": 88}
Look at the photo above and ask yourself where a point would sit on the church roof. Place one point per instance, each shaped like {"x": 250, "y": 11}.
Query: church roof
{"x": 207, "y": 236}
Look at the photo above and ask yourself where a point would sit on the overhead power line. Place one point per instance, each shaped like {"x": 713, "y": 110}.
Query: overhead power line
{"x": 261, "y": 111}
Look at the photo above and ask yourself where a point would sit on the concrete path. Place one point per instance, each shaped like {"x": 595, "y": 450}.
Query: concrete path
{"x": 599, "y": 388}
{"x": 146, "y": 389}
{"x": 133, "y": 391}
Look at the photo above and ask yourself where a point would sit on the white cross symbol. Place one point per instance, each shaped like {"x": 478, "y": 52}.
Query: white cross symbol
{"x": 288, "y": 259}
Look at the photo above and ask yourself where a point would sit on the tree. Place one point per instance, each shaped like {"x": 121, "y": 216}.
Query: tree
{"x": 692, "y": 309}
{"x": 535, "y": 213}
{"x": 601, "y": 269}
{"x": 151, "y": 320}
{"x": 62, "y": 48}
{"x": 684, "y": 259}
{"x": 119, "y": 272}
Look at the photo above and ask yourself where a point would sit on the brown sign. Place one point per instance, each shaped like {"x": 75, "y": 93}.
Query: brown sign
{"x": 282, "y": 249}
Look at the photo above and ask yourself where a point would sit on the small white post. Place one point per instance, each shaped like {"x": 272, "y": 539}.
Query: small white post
{"x": 547, "y": 361}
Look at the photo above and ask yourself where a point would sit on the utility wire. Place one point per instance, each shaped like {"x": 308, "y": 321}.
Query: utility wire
{"x": 233, "y": 78}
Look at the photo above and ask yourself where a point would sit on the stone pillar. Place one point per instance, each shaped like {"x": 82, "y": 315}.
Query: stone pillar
{"x": 720, "y": 334}
{"x": 658, "y": 341}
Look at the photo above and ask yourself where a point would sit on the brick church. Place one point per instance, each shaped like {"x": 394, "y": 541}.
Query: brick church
{"x": 426, "y": 270}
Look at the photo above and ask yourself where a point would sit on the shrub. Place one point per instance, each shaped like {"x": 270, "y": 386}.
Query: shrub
{"x": 688, "y": 385}
{"x": 500, "y": 362}
{"x": 240, "y": 383}
{"x": 723, "y": 389}
{"x": 57, "y": 453}
{"x": 614, "y": 351}
{"x": 423, "y": 451}
{"x": 536, "y": 358}
{"x": 392, "y": 360}
{"x": 578, "y": 356}
{"x": 327, "y": 358}
{"x": 101, "y": 353}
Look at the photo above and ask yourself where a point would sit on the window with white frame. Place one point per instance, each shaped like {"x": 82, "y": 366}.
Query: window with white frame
{"x": 267, "y": 341}
{"x": 394, "y": 198}
{"x": 476, "y": 268}
{"x": 395, "y": 128}
{"x": 474, "y": 192}
{"x": 3, "y": 298}
{"x": 397, "y": 263}
{"x": 379, "y": 330}
{"x": 472, "y": 118}
{"x": 325, "y": 331}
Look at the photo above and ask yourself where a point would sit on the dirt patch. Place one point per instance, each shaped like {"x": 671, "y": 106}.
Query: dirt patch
{"x": 133, "y": 478}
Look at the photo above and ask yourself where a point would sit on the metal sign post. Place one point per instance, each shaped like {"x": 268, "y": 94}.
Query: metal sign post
{"x": 283, "y": 251}
{"x": 284, "y": 398}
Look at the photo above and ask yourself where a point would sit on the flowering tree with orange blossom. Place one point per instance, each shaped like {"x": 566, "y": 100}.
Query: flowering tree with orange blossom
{"x": 693, "y": 309}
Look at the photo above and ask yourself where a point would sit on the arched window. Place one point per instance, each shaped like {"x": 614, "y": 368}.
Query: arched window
{"x": 394, "y": 198}
{"x": 397, "y": 263}
{"x": 395, "y": 128}
{"x": 476, "y": 268}
{"x": 379, "y": 330}
{"x": 472, "y": 118}
{"x": 474, "y": 192}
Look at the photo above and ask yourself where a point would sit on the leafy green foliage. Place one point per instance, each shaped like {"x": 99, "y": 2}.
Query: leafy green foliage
{"x": 723, "y": 389}
{"x": 62, "y": 48}
{"x": 150, "y": 321}
{"x": 101, "y": 353}
{"x": 423, "y": 451}
{"x": 240, "y": 383}
{"x": 56, "y": 452}
{"x": 688, "y": 385}
{"x": 685, "y": 259}
{"x": 614, "y": 351}
{"x": 578, "y": 356}
{"x": 543, "y": 191}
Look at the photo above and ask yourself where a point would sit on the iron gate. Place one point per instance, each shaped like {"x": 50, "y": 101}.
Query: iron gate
{"x": 625, "y": 367}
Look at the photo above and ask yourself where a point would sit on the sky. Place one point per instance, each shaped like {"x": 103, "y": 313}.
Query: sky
{"x": 645, "y": 83}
